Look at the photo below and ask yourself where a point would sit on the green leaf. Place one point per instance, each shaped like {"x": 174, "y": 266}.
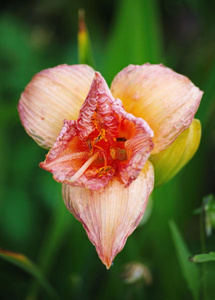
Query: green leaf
{"x": 190, "y": 271}
{"x": 205, "y": 113}
{"x": 201, "y": 258}
{"x": 28, "y": 266}
{"x": 135, "y": 38}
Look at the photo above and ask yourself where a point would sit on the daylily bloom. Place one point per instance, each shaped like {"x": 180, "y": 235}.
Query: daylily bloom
{"x": 107, "y": 144}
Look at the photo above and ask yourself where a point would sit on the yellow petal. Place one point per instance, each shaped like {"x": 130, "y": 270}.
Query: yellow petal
{"x": 166, "y": 100}
{"x": 170, "y": 161}
{"x": 111, "y": 215}
{"x": 53, "y": 95}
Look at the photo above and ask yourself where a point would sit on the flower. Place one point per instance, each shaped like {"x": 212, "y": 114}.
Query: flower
{"x": 107, "y": 144}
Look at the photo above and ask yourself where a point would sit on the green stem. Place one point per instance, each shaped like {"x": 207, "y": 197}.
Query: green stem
{"x": 203, "y": 250}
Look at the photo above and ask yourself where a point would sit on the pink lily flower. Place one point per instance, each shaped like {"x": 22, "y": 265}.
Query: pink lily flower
{"x": 108, "y": 145}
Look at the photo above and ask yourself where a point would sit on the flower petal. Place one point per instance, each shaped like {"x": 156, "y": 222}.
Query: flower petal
{"x": 138, "y": 144}
{"x": 100, "y": 101}
{"x": 166, "y": 100}
{"x": 69, "y": 156}
{"x": 53, "y": 95}
{"x": 170, "y": 161}
{"x": 110, "y": 216}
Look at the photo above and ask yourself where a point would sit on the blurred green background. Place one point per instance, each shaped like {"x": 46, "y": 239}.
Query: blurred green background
{"x": 35, "y": 35}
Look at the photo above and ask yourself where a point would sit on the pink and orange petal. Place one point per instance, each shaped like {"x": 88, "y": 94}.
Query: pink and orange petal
{"x": 166, "y": 100}
{"x": 53, "y": 95}
{"x": 111, "y": 215}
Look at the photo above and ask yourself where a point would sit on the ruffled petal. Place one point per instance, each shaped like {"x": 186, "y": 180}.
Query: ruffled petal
{"x": 166, "y": 100}
{"x": 97, "y": 109}
{"x": 170, "y": 161}
{"x": 70, "y": 158}
{"x": 132, "y": 156}
{"x": 110, "y": 216}
{"x": 53, "y": 95}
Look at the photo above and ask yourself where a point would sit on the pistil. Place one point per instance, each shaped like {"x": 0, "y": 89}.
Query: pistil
{"x": 78, "y": 174}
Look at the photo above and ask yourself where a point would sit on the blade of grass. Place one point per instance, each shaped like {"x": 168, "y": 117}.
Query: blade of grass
{"x": 28, "y": 266}
{"x": 85, "y": 54}
{"x": 190, "y": 271}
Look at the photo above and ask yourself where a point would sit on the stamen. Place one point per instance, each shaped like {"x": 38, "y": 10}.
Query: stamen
{"x": 100, "y": 137}
{"x": 105, "y": 159}
{"x": 104, "y": 170}
{"x": 78, "y": 174}
{"x": 89, "y": 144}
{"x": 121, "y": 139}
{"x": 97, "y": 139}
{"x": 103, "y": 154}
{"x": 113, "y": 152}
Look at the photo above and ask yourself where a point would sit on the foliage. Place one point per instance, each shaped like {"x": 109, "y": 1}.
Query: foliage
{"x": 203, "y": 257}
{"x": 190, "y": 271}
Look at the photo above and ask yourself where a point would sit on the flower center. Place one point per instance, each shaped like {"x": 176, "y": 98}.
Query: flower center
{"x": 104, "y": 152}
